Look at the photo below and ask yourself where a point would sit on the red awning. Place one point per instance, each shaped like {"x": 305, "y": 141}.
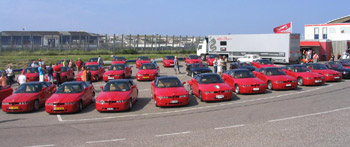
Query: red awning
{"x": 309, "y": 43}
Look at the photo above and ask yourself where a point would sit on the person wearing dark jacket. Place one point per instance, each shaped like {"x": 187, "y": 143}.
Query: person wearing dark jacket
{"x": 88, "y": 76}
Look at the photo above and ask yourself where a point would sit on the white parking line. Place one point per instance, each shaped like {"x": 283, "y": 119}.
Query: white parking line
{"x": 307, "y": 115}
{"x": 195, "y": 108}
{"x": 59, "y": 117}
{"x": 102, "y": 141}
{"x": 144, "y": 89}
{"x": 171, "y": 134}
{"x": 41, "y": 145}
{"x": 229, "y": 127}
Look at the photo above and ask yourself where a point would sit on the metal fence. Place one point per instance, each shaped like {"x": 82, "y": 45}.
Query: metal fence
{"x": 112, "y": 43}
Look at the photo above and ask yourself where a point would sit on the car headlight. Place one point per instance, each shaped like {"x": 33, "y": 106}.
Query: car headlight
{"x": 24, "y": 103}
{"x": 344, "y": 72}
{"x": 245, "y": 85}
{"x": 278, "y": 81}
{"x": 164, "y": 97}
{"x": 100, "y": 102}
{"x": 6, "y": 103}
{"x": 182, "y": 96}
{"x": 121, "y": 101}
{"x": 71, "y": 103}
{"x": 209, "y": 92}
{"x": 227, "y": 91}
{"x": 49, "y": 104}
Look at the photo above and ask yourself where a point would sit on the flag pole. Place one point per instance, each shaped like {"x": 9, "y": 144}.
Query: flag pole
{"x": 291, "y": 26}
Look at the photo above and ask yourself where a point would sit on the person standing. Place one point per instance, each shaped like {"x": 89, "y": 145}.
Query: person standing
{"x": 57, "y": 70}
{"x": 309, "y": 52}
{"x": 64, "y": 63}
{"x": 215, "y": 64}
{"x": 154, "y": 61}
{"x": 70, "y": 64}
{"x": 220, "y": 66}
{"x": 50, "y": 74}
{"x": 10, "y": 75}
{"x": 99, "y": 59}
{"x": 83, "y": 75}
{"x": 79, "y": 64}
{"x": 41, "y": 73}
{"x": 22, "y": 79}
{"x": 33, "y": 64}
{"x": 224, "y": 59}
{"x": 332, "y": 58}
{"x": 3, "y": 81}
{"x": 88, "y": 76}
{"x": 315, "y": 58}
{"x": 176, "y": 65}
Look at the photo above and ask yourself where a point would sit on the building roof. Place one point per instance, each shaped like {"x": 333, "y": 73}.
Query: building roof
{"x": 344, "y": 19}
{"x": 39, "y": 33}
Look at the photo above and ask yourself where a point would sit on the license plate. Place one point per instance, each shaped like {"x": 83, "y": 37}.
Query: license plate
{"x": 110, "y": 108}
{"x": 146, "y": 77}
{"x": 288, "y": 84}
{"x": 336, "y": 77}
{"x": 13, "y": 108}
{"x": 256, "y": 89}
{"x": 171, "y": 64}
{"x": 58, "y": 108}
{"x": 174, "y": 101}
{"x": 109, "y": 78}
{"x": 220, "y": 96}
{"x": 318, "y": 81}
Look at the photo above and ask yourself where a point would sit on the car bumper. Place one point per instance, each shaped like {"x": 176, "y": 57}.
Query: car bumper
{"x": 145, "y": 78}
{"x": 167, "y": 64}
{"x": 65, "y": 108}
{"x": 217, "y": 96}
{"x": 172, "y": 101}
{"x": 257, "y": 89}
{"x": 313, "y": 82}
{"x": 18, "y": 108}
{"x": 107, "y": 78}
{"x": 333, "y": 78}
{"x": 281, "y": 86}
{"x": 112, "y": 106}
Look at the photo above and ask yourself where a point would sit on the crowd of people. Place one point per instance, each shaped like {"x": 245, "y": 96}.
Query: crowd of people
{"x": 220, "y": 64}
{"x": 310, "y": 56}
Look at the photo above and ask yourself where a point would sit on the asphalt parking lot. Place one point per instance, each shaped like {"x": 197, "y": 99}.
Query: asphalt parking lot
{"x": 307, "y": 116}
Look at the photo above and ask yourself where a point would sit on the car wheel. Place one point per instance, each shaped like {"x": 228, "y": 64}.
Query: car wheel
{"x": 237, "y": 89}
{"x": 93, "y": 96}
{"x": 80, "y": 106}
{"x": 269, "y": 85}
{"x": 130, "y": 104}
{"x": 200, "y": 96}
{"x": 300, "y": 81}
{"x": 192, "y": 75}
{"x": 36, "y": 105}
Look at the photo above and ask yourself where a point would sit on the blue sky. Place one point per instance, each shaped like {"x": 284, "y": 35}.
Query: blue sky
{"x": 167, "y": 17}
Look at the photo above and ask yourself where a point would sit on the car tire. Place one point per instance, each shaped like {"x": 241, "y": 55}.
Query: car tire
{"x": 80, "y": 106}
{"x": 36, "y": 105}
{"x": 269, "y": 85}
{"x": 236, "y": 89}
{"x": 200, "y": 96}
{"x": 130, "y": 104}
{"x": 300, "y": 81}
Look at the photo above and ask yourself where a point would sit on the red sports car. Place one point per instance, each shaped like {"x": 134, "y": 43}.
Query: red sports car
{"x": 169, "y": 91}
{"x": 209, "y": 87}
{"x": 29, "y": 96}
{"x": 96, "y": 70}
{"x": 276, "y": 78}
{"x": 117, "y": 95}
{"x": 118, "y": 71}
{"x": 243, "y": 81}
{"x": 31, "y": 73}
{"x": 119, "y": 60}
{"x": 93, "y": 61}
{"x": 5, "y": 92}
{"x": 304, "y": 75}
{"x": 330, "y": 75}
{"x": 70, "y": 97}
{"x": 210, "y": 58}
{"x": 168, "y": 61}
{"x": 147, "y": 71}
{"x": 191, "y": 59}
{"x": 260, "y": 63}
{"x": 67, "y": 74}
{"x": 142, "y": 59}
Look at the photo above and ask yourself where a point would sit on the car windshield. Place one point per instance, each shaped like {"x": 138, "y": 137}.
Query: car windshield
{"x": 319, "y": 67}
{"x": 92, "y": 67}
{"x": 199, "y": 65}
{"x": 301, "y": 69}
{"x": 243, "y": 74}
{"x": 209, "y": 79}
{"x": 169, "y": 57}
{"x": 117, "y": 67}
{"x": 64, "y": 69}
{"x": 119, "y": 58}
{"x": 70, "y": 88}
{"x": 274, "y": 72}
{"x": 29, "y": 88}
{"x": 31, "y": 70}
{"x": 212, "y": 56}
{"x": 142, "y": 58}
{"x": 168, "y": 82}
{"x": 93, "y": 59}
{"x": 147, "y": 66}
{"x": 264, "y": 61}
{"x": 192, "y": 57}
{"x": 117, "y": 86}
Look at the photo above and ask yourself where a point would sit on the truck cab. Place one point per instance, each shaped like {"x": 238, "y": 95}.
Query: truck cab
{"x": 202, "y": 49}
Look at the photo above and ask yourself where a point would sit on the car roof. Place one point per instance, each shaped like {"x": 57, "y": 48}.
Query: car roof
{"x": 207, "y": 74}
{"x": 73, "y": 82}
{"x": 239, "y": 69}
{"x": 118, "y": 64}
{"x": 35, "y": 82}
{"x": 167, "y": 77}
{"x": 295, "y": 65}
{"x": 119, "y": 80}
{"x": 270, "y": 68}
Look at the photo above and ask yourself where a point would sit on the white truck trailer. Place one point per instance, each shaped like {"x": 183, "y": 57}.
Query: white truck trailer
{"x": 280, "y": 48}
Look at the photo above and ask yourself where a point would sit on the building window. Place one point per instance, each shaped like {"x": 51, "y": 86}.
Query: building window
{"x": 223, "y": 43}
{"x": 324, "y": 33}
{"x": 316, "y": 36}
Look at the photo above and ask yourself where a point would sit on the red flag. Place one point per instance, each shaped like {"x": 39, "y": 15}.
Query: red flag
{"x": 286, "y": 28}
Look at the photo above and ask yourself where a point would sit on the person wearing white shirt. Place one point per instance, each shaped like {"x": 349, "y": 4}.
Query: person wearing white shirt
{"x": 220, "y": 66}
{"x": 22, "y": 79}
{"x": 10, "y": 74}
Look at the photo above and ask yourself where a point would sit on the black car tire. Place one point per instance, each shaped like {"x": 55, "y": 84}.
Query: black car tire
{"x": 269, "y": 85}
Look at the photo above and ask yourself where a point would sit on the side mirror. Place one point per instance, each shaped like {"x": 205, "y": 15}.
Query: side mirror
{"x": 183, "y": 83}
{"x": 85, "y": 88}
{"x": 43, "y": 88}
{"x": 15, "y": 89}
{"x": 101, "y": 87}
{"x": 133, "y": 86}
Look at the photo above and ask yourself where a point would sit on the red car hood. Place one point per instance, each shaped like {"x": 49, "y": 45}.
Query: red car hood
{"x": 171, "y": 91}
{"x": 147, "y": 71}
{"x": 308, "y": 74}
{"x": 249, "y": 81}
{"x": 91, "y": 63}
{"x": 118, "y": 62}
{"x": 21, "y": 97}
{"x": 31, "y": 75}
{"x": 113, "y": 96}
{"x": 64, "y": 98}
{"x": 79, "y": 74}
{"x": 114, "y": 72}
{"x": 281, "y": 78}
{"x": 215, "y": 87}
{"x": 326, "y": 71}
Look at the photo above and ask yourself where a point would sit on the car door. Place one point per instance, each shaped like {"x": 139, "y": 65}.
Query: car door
{"x": 195, "y": 85}
{"x": 153, "y": 89}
